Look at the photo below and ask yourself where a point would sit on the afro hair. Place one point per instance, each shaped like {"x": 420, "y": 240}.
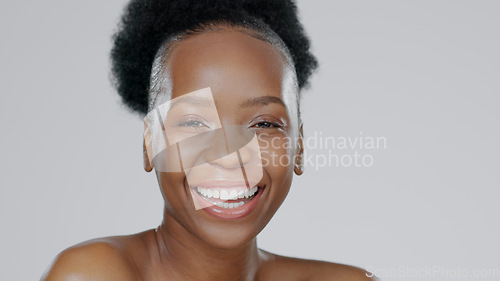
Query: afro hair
{"x": 145, "y": 25}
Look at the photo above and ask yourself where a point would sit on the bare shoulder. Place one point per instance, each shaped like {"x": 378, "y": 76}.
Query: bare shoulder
{"x": 311, "y": 270}
{"x": 98, "y": 259}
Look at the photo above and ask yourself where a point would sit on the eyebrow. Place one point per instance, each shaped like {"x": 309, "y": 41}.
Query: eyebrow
{"x": 262, "y": 100}
{"x": 194, "y": 100}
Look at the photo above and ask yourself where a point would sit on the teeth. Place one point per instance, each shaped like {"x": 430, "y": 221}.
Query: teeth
{"x": 230, "y": 205}
{"x": 227, "y": 194}
{"x": 241, "y": 194}
{"x": 250, "y": 192}
{"x": 224, "y": 195}
{"x": 233, "y": 195}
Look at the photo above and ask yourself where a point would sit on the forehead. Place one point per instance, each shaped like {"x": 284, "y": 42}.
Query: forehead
{"x": 229, "y": 62}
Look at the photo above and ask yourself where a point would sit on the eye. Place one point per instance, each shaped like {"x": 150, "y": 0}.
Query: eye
{"x": 192, "y": 123}
{"x": 267, "y": 125}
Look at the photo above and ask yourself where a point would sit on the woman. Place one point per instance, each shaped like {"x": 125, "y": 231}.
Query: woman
{"x": 218, "y": 83}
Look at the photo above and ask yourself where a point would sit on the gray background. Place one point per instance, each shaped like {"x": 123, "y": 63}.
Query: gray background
{"x": 422, "y": 74}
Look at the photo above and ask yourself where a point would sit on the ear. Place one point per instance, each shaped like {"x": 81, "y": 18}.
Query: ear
{"x": 299, "y": 167}
{"x": 146, "y": 149}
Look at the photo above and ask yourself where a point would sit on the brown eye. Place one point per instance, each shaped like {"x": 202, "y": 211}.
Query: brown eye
{"x": 192, "y": 124}
{"x": 267, "y": 125}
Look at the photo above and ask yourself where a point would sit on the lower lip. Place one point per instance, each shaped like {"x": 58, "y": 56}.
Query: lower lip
{"x": 230, "y": 214}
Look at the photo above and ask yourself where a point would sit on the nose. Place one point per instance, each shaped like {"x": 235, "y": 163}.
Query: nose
{"x": 246, "y": 154}
{"x": 233, "y": 151}
{"x": 228, "y": 162}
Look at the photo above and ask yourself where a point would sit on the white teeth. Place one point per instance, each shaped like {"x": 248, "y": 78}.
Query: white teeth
{"x": 224, "y": 195}
{"x": 233, "y": 195}
{"x": 200, "y": 190}
{"x": 250, "y": 192}
{"x": 227, "y": 194}
{"x": 215, "y": 194}
{"x": 230, "y": 205}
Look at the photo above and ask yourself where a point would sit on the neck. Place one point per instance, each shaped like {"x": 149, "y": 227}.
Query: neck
{"x": 184, "y": 256}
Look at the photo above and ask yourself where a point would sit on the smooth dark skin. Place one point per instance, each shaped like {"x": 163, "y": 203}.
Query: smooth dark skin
{"x": 189, "y": 244}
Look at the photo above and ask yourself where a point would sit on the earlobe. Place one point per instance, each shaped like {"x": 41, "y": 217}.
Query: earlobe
{"x": 146, "y": 148}
{"x": 147, "y": 164}
{"x": 299, "y": 168}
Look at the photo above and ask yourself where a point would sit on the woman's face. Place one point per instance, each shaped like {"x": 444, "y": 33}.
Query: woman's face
{"x": 231, "y": 132}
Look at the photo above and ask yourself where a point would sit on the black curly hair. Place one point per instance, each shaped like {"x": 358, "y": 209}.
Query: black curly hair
{"x": 147, "y": 24}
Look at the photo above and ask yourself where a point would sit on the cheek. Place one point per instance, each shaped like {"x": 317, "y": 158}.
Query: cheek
{"x": 277, "y": 163}
{"x": 172, "y": 189}
{"x": 277, "y": 157}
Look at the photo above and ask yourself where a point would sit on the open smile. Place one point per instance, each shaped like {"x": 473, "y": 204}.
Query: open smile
{"x": 226, "y": 200}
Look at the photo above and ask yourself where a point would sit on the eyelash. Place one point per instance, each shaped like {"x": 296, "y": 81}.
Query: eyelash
{"x": 271, "y": 125}
{"x": 190, "y": 122}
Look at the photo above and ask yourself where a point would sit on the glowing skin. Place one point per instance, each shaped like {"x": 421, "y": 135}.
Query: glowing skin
{"x": 245, "y": 77}
{"x": 248, "y": 80}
